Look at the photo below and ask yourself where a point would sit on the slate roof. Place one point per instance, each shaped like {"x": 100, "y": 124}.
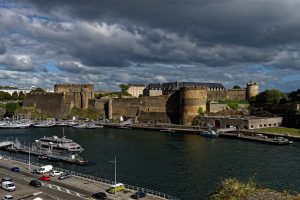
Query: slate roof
{"x": 178, "y": 85}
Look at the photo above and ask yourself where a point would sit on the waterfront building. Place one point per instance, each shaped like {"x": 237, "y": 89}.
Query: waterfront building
{"x": 240, "y": 122}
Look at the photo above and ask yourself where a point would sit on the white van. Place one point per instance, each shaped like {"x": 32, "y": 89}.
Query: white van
{"x": 8, "y": 185}
{"x": 45, "y": 169}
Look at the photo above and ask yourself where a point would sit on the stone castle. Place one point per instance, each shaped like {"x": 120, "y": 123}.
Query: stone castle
{"x": 178, "y": 105}
{"x": 64, "y": 98}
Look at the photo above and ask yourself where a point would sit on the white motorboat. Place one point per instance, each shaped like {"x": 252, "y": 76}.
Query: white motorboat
{"x": 55, "y": 143}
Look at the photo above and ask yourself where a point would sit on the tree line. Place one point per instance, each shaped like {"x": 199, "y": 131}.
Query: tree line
{"x": 5, "y": 96}
{"x": 273, "y": 97}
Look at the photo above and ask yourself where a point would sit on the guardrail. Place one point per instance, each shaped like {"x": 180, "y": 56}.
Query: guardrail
{"x": 94, "y": 178}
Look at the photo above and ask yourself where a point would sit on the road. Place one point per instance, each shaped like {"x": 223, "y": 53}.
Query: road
{"x": 74, "y": 188}
{"x": 23, "y": 190}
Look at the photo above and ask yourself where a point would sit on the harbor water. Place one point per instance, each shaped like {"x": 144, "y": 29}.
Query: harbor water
{"x": 186, "y": 166}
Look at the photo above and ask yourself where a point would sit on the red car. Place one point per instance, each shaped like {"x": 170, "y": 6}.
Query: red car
{"x": 45, "y": 178}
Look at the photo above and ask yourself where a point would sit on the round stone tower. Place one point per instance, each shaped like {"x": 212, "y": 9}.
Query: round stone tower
{"x": 191, "y": 99}
{"x": 252, "y": 89}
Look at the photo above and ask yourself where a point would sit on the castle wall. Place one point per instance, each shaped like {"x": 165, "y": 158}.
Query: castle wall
{"x": 82, "y": 93}
{"x": 72, "y": 87}
{"x": 216, "y": 107}
{"x": 252, "y": 89}
{"x": 57, "y": 105}
{"x": 213, "y": 95}
{"x": 191, "y": 99}
{"x": 236, "y": 94}
{"x": 146, "y": 109}
{"x": 229, "y": 94}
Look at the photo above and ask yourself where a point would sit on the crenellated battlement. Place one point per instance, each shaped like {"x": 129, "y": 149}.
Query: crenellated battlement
{"x": 194, "y": 88}
{"x": 73, "y": 85}
{"x": 45, "y": 94}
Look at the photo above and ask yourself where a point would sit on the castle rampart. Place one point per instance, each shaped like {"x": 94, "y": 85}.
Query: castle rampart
{"x": 82, "y": 93}
{"x": 191, "y": 100}
{"x": 179, "y": 106}
{"x": 52, "y": 104}
{"x": 252, "y": 89}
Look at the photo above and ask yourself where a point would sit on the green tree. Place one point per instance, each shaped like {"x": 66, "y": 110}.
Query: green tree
{"x": 11, "y": 108}
{"x": 200, "y": 110}
{"x": 21, "y": 96}
{"x": 294, "y": 96}
{"x": 236, "y": 87}
{"x": 272, "y": 96}
{"x": 38, "y": 90}
{"x": 4, "y": 96}
{"x": 124, "y": 88}
{"x": 15, "y": 96}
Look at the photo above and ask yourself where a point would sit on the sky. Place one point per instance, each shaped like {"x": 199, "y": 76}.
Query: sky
{"x": 108, "y": 43}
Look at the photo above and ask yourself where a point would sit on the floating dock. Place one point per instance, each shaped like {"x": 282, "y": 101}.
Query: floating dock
{"x": 257, "y": 138}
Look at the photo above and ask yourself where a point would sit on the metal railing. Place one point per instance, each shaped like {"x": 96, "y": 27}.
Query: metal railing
{"x": 94, "y": 178}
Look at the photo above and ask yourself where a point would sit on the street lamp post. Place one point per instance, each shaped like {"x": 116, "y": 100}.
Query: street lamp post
{"x": 115, "y": 161}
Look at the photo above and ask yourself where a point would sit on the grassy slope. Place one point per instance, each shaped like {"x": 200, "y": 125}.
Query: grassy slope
{"x": 233, "y": 189}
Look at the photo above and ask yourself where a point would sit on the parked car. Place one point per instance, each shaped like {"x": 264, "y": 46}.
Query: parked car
{"x": 35, "y": 183}
{"x": 64, "y": 176}
{"x": 138, "y": 195}
{"x": 15, "y": 169}
{"x": 99, "y": 195}
{"x": 56, "y": 173}
{"x": 116, "y": 188}
{"x": 6, "y": 178}
{"x": 44, "y": 178}
{"x": 8, "y": 186}
{"x": 7, "y": 197}
{"x": 45, "y": 169}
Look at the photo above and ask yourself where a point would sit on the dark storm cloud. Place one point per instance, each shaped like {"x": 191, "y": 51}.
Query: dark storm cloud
{"x": 251, "y": 23}
{"x": 117, "y": 41}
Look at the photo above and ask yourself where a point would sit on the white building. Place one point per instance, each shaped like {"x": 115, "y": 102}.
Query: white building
{"x": 24, "y": 90}
{"x": 135, "y": 89}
